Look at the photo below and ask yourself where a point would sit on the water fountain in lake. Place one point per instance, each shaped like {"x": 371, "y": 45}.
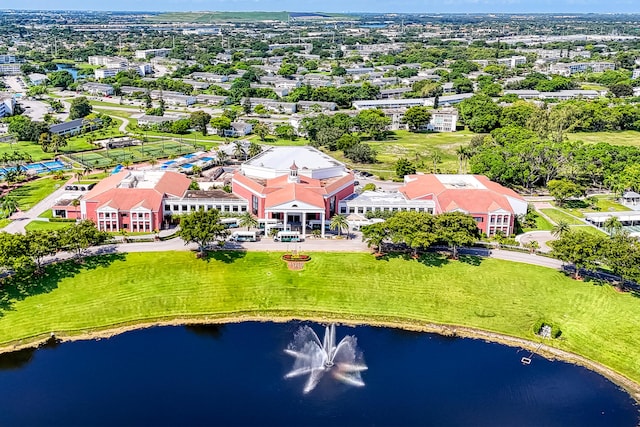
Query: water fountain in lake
{"x": 343, "y": 362}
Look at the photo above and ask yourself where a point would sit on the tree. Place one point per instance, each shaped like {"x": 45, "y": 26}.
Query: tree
{"x": 52, "y": 142}
{"x": 62, "y": 79}
{"x": 361, "y": 153}
{"x": 202, "y": 227}
{"x": 417, "y": 117}
{"x": 578, "y": 248}
{"x": 620, "y": 90}
{"x": 480, "y": 113}
{"x": 248, "y": 220}
{"x": 199, "y": 120}
{"x": 80, "y": 107}
{"x": 8, "y": 205}
{"x": 562, "y": 189}
{"x": 41, "y": 243}
{"x": 373, "y": 122}
{"x": 404, "y": 167}
{"x": 561, "y": 228}
{"x": 14, "y": 254}
{"x": 285, "y": 132}
{"x": 339, "y": 222}
{"x": 220, "y": 124}
{"x": 287, "y": 69}
{"x": 456, "y": 229}
{"x": 180, "y": 126}
{"x": 262, "y": 130}
{"x": 239, "y": 152}
{"x": 254, "y": 149}
{"x": 612, "y": 225}
{"x": 375, "y": 234}
{"x": 414, "y": 229}
{"x": 436, "y": 158}
{"x": 80, "y": 236}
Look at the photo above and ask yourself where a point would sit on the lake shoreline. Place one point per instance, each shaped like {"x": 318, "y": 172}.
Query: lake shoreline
{"x": 537, "y": 348}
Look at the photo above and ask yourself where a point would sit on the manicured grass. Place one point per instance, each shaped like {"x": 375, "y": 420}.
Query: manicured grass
{"x": 541, "y": 224}
{"x": 33, "y": 192}
{"x": 627, "y": 137}
{"x": 588, "y": 229}
{"x": 35, "y": 150}
{"x": 417, "y": 147}
{"x": 579, "y": 208}
{"x": 4, "y": 222}
{"x": 495, "y": 295}
{"x": 46, "y": 225}
{"x": 557, "y": 215}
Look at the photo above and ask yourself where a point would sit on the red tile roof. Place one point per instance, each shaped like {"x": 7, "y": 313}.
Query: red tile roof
{"x": 108, "y": 193}
{"x": 471, "y": 200}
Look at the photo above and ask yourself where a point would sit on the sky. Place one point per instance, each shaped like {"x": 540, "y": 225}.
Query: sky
{"x": 399, "y": 6}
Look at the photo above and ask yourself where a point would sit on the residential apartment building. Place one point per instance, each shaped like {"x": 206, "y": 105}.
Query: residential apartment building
{"x": 569, "y": 68}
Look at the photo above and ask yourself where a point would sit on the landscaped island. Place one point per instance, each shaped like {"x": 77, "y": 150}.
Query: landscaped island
{"x": 123, "y": 290}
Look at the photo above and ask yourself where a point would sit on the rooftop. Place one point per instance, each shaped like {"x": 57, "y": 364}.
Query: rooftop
{"x": 283, "y": 157}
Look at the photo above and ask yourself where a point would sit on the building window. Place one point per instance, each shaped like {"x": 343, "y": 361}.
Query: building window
{"x": 478, "y": 218}
{"x": 254, "y": 205}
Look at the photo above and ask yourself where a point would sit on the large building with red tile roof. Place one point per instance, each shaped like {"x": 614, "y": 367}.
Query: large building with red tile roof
{"x": 127, "y": 200}
{"x": 295, "y": 186}
{"x": 132, "y": 200}
{"x": 493, "y": 206}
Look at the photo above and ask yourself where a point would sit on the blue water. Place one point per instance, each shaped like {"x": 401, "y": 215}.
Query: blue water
{"x": 206, "y": 159}
{"x": 188, "y": 156}
{"x": 170, "y": 162}
{"x": 232, "y": 375}
{"x": 54, "y": 164}
{"x": 187, "y": 166}
{"x": 69, "y": 68}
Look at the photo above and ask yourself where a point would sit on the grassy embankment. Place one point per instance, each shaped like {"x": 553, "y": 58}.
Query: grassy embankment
{"x": 493, "y": 295}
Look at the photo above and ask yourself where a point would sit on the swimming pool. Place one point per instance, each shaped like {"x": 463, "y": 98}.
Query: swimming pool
{"x": 39, "y": 167}
{"x": 206, "y": 159}
{"x": 187, "y": 166}
{"x": 188, "y": 156}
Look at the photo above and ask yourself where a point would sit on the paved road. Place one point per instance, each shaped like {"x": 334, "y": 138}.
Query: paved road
{"x": 20, "y": 219}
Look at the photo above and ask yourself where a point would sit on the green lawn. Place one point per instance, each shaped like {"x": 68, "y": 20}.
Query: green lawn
{"x": 4, "y": 222}
{"x": 628, "y": 137}
{"x": 557, "y": 215}
{"x": 32, "y": 192}
{"x": 605, "y": 204}
{"x": 35, "y": 150}
{"x": 588, "y": 229}
{"x": 541, "y": 224}
{"x": 46, "y": 225}
{"x": 494, "y": 295}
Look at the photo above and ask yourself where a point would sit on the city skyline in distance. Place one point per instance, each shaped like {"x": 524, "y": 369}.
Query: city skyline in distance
{"x": 329, "y": 6}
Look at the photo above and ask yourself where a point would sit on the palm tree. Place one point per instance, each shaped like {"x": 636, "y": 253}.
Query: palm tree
{"x": 463, "y": 156}
{"x": 196, "y": 170}
{"x": 254, "y": 149}
{"x": 561, "y": 228}
{"x": 222, "y": 156}
{"x": 436, "y": 158}
{"x": 239, "y": 151}
{"x": 612, "y": 225}
{"x": 339, "y": 222}
{"x": 9, "y": 205}
{"x": 153, "y": 161}
{"x": 248, "y": 220}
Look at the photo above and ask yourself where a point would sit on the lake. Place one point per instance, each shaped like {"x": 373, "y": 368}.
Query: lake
{"x": 69, "y": 68}
{"x": 234, "y": 375}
